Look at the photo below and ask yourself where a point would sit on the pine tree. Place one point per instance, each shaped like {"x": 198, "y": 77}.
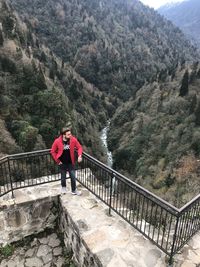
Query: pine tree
{"x": 198, "y": 74}
{"x": 197, "y": 114}
{"x": 43, "y": 57}
{"x": 1, "y": 38}
{"x": 185, "y": 84}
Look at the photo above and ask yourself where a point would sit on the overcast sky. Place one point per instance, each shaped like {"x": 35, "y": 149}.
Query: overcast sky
{"x": 157, "y": 3}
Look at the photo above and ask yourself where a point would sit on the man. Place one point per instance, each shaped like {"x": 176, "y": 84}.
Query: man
{"x": 62, "y": 152}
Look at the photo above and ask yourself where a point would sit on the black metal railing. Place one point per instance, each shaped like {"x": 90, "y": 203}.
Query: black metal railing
{"x": 162, "y": 223}
{"x": 26, "y": 169}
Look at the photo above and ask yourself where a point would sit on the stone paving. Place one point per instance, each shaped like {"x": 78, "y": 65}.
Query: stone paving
{"x": 113, "y": 240}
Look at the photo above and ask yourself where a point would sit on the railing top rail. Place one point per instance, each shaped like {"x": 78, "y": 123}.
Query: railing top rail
{"x": 3, "y": 158}
{"x": 147, "y": 193}
{"x": 190, "y": 203}
{"x": 15, "y": 156}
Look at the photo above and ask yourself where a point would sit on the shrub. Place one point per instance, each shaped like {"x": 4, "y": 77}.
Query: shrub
{"x": 6, "y": 251}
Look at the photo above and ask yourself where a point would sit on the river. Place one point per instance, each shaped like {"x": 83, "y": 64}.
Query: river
{"x": 103, "y": 136}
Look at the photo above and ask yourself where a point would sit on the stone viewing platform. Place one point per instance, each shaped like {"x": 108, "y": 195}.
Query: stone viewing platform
{"x": 96, "y": 238}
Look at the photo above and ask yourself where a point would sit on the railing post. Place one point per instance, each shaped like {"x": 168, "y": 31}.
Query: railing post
{"x": 11, "y": 185}
{"x": 111, "y": 189}
{"x": 173, "y": 244}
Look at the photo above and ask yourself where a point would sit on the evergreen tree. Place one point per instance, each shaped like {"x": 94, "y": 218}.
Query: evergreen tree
{"x": 51, "y": 73}
{"x": 7, "y": 65}
{"x": 8, "y": 25}
{"x": 43, "y": 57}
{"x": 185, "y": 84}
{"x": 63, "y": 64}
{"x": 197, "y": 114}
{"x": 41, "y": 83}
{"x": 1, "y": 38}
{"x": 192, "y": 77}
{"x": 198, "y": 74}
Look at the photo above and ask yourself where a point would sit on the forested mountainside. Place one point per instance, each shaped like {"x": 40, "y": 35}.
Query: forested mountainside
{"x": 39, "y": 93}
{"x": 186, "y": 16}
{"x": 117, "y": 45}
{"x": 157, "y": 138}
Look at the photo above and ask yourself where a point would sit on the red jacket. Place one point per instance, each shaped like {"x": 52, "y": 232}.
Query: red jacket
{"x": 57, "y": 148}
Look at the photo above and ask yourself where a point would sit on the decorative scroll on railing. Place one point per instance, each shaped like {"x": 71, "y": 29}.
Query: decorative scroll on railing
{"x": 166, "y": 226}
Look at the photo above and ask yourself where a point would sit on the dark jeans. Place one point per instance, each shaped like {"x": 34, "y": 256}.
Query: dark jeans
{"x": 63, "y": 170}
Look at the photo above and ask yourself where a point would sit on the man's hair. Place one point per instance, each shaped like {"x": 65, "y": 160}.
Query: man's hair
{"x": 65, "y": 129}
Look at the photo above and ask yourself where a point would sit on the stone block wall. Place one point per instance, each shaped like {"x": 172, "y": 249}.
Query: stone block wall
{"x": 23, "y": 219}
{"x": 82, "y": 255}
{"x": 19, "y": 220}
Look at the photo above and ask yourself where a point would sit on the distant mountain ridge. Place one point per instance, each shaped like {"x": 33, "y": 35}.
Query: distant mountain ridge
{"x": 171, "y": 4}
{"x": 185, "y": 15}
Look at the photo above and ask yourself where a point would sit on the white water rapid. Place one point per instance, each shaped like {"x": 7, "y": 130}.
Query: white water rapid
{"x": 103, "y": 136}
